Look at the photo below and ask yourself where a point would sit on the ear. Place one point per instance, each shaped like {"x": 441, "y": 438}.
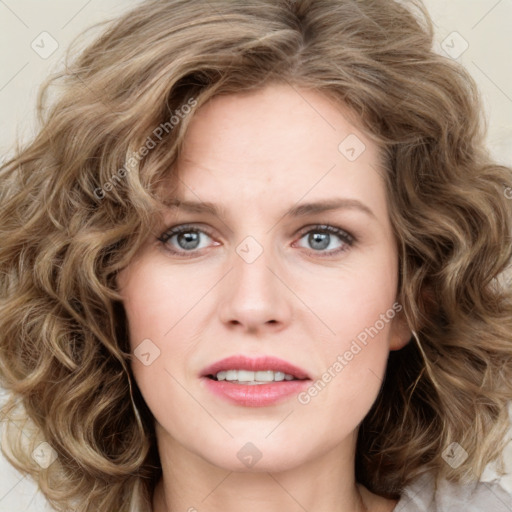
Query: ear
{"x": 400, "y": 334}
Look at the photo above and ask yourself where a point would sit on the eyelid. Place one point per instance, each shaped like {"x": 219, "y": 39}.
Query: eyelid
{"x": 342, "y": 233}
{"x": 172, "y": 230}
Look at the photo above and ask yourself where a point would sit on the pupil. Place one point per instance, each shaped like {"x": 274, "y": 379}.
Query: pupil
{"x": 190, "y": 238}
{"x": 319, "y": 240}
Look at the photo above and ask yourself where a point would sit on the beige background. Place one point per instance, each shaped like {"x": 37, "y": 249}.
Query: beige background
{"x": 483, "y": 26}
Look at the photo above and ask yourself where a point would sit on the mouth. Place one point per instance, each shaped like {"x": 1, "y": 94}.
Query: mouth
{"x": 254, "y": 382}
{"x": 252, "y": 378}
{"x": 253, "y": 371}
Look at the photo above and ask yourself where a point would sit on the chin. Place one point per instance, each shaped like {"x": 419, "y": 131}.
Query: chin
{"x": 245, "y": 456}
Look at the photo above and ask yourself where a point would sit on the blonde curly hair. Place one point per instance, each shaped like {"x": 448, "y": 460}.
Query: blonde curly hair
{"x": 79, "y": 199}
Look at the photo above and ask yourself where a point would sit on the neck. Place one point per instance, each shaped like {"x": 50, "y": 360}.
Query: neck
{"x": 161, "y": 502}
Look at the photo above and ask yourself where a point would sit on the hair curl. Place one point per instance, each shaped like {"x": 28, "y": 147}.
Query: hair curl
{"x": 73, "y": 214}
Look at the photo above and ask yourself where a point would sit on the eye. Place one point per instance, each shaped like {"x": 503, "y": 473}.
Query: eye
{"x": 321, "y": 238}
{"x": 184, "y": 239}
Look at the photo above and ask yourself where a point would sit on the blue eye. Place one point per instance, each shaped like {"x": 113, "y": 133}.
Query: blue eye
{"x": 186, "y": 240}
{"x": 320, "y": 238}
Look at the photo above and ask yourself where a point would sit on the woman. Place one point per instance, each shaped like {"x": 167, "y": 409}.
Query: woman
{"x": 251, "y": 261}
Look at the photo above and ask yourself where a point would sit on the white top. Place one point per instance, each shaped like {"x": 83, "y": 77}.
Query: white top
{"x": 422, "y": 496}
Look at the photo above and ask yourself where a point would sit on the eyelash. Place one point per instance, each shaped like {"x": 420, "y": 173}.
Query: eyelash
{"x": 345, "y": 237}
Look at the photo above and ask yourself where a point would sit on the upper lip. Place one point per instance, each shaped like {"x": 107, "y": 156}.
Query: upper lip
{"x": 241, "y": 362}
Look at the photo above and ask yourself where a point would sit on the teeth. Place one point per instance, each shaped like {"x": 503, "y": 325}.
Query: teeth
{"x": 249, "y": 377}
{"x": 244, "y": 376}
{"x": 231, "y": 375}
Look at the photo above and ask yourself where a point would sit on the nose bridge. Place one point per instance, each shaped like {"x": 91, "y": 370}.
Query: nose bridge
{"x": 253, "y": 296}
{"x": 252, "y": 262}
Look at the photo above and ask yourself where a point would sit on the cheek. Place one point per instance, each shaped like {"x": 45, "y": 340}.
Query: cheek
{"x": 358, "y": 308}
{"x": 162, "y": 306}
{"x": 153, "y": 313}
{"x": 354, "y": 365}
{"x": 145, "y": 302}
{"x": 159, "y": 300}
{"x": 352, "y": 298}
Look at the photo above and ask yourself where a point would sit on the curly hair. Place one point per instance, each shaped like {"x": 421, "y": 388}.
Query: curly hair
{"x": 79, "y": 199}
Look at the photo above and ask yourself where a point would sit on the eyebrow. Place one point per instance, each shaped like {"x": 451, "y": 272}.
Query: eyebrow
{"x": 299, "y": 210}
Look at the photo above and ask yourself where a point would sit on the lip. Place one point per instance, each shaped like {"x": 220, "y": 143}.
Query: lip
{"x": 259, "y": 395}
{"x": 241, "y": 362}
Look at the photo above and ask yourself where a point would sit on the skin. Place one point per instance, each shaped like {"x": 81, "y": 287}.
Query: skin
{"x": 256, "y": 155}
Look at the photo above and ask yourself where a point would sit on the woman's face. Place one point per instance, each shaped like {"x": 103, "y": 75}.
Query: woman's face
{"x": 267, "y": 276}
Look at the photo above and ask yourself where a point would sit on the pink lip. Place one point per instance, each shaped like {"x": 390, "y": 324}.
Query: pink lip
{"x": 241, "y": 362}
{"x": 259, "y": 395}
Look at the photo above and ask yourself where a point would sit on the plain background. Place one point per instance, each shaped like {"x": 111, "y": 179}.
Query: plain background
{"x": 475, "y": 32}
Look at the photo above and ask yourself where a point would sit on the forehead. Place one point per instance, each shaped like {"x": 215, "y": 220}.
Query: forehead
{"x": 278, "y": 122}
{"x": 277, "y": 144}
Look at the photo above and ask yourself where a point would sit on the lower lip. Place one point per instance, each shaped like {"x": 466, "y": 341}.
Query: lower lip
{"x": 258, "y": 395}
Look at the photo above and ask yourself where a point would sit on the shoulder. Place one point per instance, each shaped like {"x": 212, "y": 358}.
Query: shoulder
{"x": 427, "y": 495}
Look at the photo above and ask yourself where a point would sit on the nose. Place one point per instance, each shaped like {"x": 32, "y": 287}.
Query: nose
{"x": 254, "y": 296}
